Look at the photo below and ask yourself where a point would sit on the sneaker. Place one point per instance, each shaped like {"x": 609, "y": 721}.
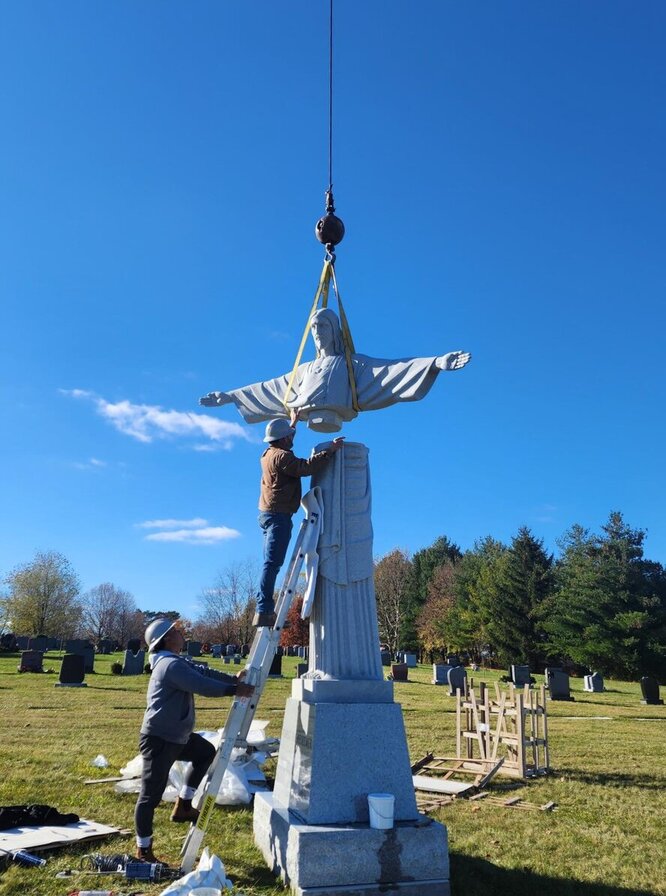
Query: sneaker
{"x": 264, "y": 619}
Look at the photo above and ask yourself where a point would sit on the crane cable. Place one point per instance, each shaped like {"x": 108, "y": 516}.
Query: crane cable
{"x": 328, "y": 271}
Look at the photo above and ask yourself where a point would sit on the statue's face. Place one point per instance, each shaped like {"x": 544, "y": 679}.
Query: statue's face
{"x": 322, "y": 333}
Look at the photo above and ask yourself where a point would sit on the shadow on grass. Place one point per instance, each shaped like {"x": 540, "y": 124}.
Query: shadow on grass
{"x": 477, "y": 877}
{"x": 612, "y": 779}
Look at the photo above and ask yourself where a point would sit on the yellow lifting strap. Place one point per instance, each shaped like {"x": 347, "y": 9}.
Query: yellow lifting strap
{"x": 327, "y": 275}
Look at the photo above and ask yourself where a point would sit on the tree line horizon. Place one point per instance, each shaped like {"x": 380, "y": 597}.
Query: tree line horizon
{"x": 598, "y": 606}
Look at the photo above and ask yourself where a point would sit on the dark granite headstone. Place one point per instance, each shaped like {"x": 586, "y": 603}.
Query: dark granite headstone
{"x": 231, "y": 649}
{"x": 105, "y": 646}
{"x": 386, "y": 657}
{"x": 216, "y": 651}
{"x": 22, "y": 642}
{"x": 31, "y": 661}
{"x": 452, "y": 659}
{"x": 440, "y": 672}
{"x": 245, "y": 650}
{"x": 276, "y": 667}
{"x": 72, "y": 671}
{"x": 8, "y": 641}
{"x": 593, "y": 683}
{"x": 457, "y": 678}
{"x": 410, "y": 660}
{"x": 40, "y": 642}
{"x": 557, "y": 682}
{"x": 650, "y": 691}
{"x": 399, "y": 671}
{"x": 134, "y": 662}
{"x": 193, "y": 648}
{"x": 520, "y": 675}
{"x": 301, "y": 669}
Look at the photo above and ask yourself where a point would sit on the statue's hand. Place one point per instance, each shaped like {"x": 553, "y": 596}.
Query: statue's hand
{"x": 213, "y": 399}
{"x": 453, "y": 360}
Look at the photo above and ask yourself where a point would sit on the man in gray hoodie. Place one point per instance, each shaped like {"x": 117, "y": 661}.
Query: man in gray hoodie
{"x": 167, "y": 732}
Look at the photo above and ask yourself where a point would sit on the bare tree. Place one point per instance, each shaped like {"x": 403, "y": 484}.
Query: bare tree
{"x": 43, "y": 596}
{"x": 392, "y": 575}
{"x": 228, "y": 607}
{"x": 108, "y": 612}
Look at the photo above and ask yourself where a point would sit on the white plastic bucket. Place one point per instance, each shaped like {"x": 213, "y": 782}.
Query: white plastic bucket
{"x": 381, "y": 810}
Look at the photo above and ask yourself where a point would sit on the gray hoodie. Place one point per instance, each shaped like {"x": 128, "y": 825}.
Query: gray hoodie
{"x": 170, "y": 709}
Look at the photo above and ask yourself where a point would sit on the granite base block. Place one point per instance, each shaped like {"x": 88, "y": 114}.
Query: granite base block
{"x": 410, "y": 859}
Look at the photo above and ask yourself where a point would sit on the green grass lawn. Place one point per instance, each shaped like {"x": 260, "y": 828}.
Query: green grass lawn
{"x": 607, "y": 751}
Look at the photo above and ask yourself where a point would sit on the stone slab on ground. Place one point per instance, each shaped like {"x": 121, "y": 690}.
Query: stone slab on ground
{"x": 410, "y": 859}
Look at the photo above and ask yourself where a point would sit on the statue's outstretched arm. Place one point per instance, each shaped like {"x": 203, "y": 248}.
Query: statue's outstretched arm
{"x": 453, "y": 360}
{"x": 213, "y": 399}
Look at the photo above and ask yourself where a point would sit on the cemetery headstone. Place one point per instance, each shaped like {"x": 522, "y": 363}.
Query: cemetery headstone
{"x": 457, "y": 678}
{"x": 134, "y": 644}
{"x": 301, "y": 669}
{"x": 452, "y": 659}
{"x": 520, "y": 676}
{"x": 650, "y": 691}
{"x": 216, "y": 651}
{"x": 31, "y": 661}
{"x": 557, "y": 682}
{"x": 105, "y": 646}
{"x": 410, "y": 660}
{"x": 237, "y": 659}
{"x": 276, "y": 666}
{"x": 8, "y": 641}
{"x": 22, "y": 642}
{"x": 226, "y": 660}
{"x": 72, "y": 671}
{"x": 386, "y": 657}
{"x": 193, "y": 648}
{"x": 440, "y": 673}
{"x": 38, "y": 643}
{"x": 134, "y": 662}
{"x": 593, "y": 683}
{"x": 399, "y": 671}
{"x": 245, "y": 650}
{"x": 231, "y": 649}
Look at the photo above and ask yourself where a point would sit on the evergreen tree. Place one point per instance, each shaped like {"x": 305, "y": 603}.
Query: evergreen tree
{"x": 512, "y": 619}
{"x": 609, "y": 610}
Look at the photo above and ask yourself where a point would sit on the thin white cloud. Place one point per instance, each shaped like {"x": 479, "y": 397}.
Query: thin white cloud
{"x": 196, "y": 523}
{"x": 205, "y": 535}
{"x": 147, "y": 422}
{"x": 93, "y": 464}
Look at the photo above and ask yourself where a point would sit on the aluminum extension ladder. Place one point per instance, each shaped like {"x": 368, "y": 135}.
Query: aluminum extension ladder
{"x": 243, "y": 709}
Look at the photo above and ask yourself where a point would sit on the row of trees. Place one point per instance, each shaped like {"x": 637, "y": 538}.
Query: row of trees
{"x": 44, "y": 598}
{"x": 600, "y": 605}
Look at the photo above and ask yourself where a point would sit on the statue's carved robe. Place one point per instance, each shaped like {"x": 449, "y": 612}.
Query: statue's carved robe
{"x": 324, "y": 384}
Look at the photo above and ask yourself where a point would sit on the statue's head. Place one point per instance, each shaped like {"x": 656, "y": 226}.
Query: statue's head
{"x": 326, "y": 332}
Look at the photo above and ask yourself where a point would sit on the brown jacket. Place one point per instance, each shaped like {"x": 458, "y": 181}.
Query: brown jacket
{"x": 281, "y": 473}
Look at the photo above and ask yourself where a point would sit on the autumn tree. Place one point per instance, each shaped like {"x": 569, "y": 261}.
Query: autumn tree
{"x": 424, "y": 564}
{"x": 297, "y": 630}
{"x": 43, "y": 596}
{"x": 392, "y": 576}
{"x": 433, "y": 623}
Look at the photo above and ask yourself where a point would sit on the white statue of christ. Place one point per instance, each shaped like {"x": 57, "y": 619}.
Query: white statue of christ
{"x": 321, "y": 392}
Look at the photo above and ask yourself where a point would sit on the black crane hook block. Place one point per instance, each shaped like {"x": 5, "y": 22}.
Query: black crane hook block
{"x": 329, "y": 230}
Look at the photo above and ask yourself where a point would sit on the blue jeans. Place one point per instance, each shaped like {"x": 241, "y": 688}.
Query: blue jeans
{"x": 277, "y": 534}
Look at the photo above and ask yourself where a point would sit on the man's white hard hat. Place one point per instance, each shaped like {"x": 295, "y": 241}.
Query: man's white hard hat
{"x": 157, "y": 630}
{"x": 278, "y": 429}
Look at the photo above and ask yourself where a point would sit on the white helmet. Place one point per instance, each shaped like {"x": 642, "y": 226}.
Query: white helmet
{"x": 157, "y": 630}
{"x": 278, "y": 429}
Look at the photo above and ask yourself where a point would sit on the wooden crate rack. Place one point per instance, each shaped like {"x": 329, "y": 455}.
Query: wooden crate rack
{"x": 511, "y": 724}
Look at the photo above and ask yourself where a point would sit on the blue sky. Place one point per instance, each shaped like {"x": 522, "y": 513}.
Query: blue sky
{"x": 500, "y": 171}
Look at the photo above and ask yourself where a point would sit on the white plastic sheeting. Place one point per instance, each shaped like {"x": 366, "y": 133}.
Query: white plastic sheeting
{"x": 242, "y": 778}
{"x": 208, "y": 877}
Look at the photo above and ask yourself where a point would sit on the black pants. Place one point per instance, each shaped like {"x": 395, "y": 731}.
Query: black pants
{"x": 158, "y": 757}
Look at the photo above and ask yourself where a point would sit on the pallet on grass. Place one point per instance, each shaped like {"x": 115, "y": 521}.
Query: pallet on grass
{"x": 510, "y": 724}
{"x": 444, "y": 774}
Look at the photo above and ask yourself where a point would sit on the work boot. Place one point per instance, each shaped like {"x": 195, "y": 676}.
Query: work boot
{"x": 184, "y": 811}
{"x": 264, "y": 619}
{"x": 146, "y": 854}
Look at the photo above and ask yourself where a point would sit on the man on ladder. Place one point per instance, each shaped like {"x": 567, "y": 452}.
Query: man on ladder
{"x": 281, "y": 473}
